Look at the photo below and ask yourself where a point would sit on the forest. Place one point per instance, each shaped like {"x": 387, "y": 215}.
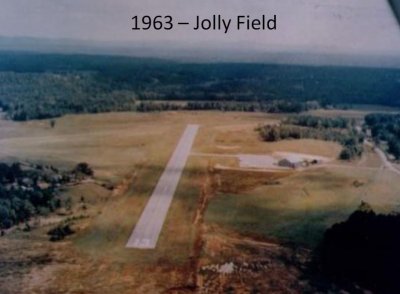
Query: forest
{"x": 362, "y": 251}
{"x": 385, "y": 128}
{"x": 339, "y": 130}
{"x": 38, "y": 86}
{"x": 276, "y": 106}
{"x": 28, "y": 190}
{"x": 320, "y": 122}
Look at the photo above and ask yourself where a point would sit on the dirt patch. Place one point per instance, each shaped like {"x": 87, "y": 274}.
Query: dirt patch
{"x": 236, "y": 181}
{"x": 208, "y": 190}
{"x": 124, "y": 186}
{"x": 229, "y": 262}
{"x": 59, "y": 268}
{"x": 18, "y": 258}
{"x": 232, "y": 263}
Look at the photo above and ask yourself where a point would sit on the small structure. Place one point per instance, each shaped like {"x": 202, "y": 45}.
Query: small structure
{"x": 290, "y": 164}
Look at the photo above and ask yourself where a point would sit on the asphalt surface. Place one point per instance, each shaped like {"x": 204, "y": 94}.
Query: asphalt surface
{"x": 148, "y": 228}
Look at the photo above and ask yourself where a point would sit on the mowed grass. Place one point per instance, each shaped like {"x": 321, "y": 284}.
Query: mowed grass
{"x": 110, "y": 230}
{"x": 304, "y": 204}
{"x": 243, "y": 138}
{"x": 110, "y": 143}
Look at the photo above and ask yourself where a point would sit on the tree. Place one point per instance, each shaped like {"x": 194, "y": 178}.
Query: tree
{"x": 52, "y": 123}
{"x": 270, "y": 133}
{"x": 5, "y": 221}
{"x": 394, "y": 147}
{"x": 345, "y": 154}
{"x": 363, "y": 250}
{"x": 83, "y": 168}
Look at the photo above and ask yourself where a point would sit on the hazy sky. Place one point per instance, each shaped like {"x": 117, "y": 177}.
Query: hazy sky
{"x": 343, "y": 26}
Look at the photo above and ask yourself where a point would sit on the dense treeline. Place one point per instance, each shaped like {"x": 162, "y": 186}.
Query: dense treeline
{"x": 386, "y": 127}
{"x": 320, "y": 122}
{"x": 49, "y": 85}
{"x": 274, "y": 106}
{"x": 268, "y": 106}
{"x": 27, "y": 96}
{"x": 27, "y": 191}
{"x": 349, "y": 138}
{"x": 363, "y": 251}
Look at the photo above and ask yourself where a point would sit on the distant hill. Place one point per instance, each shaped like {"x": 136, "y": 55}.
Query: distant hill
{"x": 195, "y": 52}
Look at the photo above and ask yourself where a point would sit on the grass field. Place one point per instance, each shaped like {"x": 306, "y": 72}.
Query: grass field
{"x": 298, "y": 209}
{"x": 122, "y": 146}
{"x": 303, "y": 205}
{"x": 132, "y": 149}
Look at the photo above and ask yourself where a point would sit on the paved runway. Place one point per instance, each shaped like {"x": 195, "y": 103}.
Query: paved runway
{"x": 148, "y": 228}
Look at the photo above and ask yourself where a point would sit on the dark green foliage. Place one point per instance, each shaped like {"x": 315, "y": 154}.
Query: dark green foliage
{"x": 319, "y": 122}
{"x": 275, "y": 106}
{"x": 272, "y": 133}
{"x": 158, "y": 106}
{"x": 37, "y": 86}
{"x": 45, "y": 95}
{"x": 60, "y": 232}
{"x": 52, "y": 123}
{"x": 386, "y": 127}
{"x": 363, "y": 250}
{"x": 83, "y": 168}
{"x": 394, "y": 146}
{"x": 21, "y": 195}
{"x": 310, "y": 127}
{"x": 345, "y": 154}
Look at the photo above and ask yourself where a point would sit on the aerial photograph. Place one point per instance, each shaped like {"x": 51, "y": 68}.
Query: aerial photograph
{"x": 208, "y": 146}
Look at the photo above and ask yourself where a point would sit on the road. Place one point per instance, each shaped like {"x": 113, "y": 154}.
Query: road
{"x": 148, "y": 228}
{"x": 386, "y": 163}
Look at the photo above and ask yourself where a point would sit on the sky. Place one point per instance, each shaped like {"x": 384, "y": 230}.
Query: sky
{"x": 332, "y": 26}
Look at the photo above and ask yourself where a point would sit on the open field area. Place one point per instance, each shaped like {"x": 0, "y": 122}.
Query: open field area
{"x": 222, "y": 212}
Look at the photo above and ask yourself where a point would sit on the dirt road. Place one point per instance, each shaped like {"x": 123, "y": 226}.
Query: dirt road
{"x": 148, "y": 228}
{"x": 386, "y": 163}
